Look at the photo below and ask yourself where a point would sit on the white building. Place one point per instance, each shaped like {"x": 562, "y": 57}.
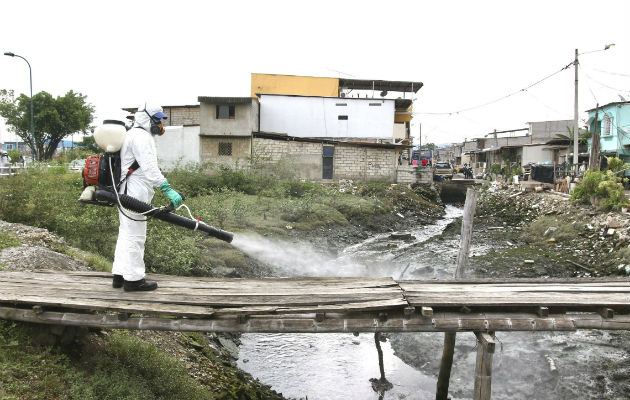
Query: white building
{"x": 328, "y": 117}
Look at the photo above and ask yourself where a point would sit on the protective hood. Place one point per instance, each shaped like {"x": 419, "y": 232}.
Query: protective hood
{"x": 141, "y": 118}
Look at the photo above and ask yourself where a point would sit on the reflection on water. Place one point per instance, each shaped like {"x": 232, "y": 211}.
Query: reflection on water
{"x": 328, "y": 366}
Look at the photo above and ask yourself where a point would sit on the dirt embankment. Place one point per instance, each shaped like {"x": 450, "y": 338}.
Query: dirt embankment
{"x": 545, "y": 234}
{"x": 209, "y": 358}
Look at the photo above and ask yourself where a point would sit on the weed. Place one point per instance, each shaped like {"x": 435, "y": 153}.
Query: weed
{"x": 8, "y": 239}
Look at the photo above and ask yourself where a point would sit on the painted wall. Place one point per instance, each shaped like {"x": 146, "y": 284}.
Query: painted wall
{"x": 619, "y": 115}
{"x": 536, "y": 154}
{"x": 319, "y": 117}
{"x": 178, "y": 146}
{"x": 297, "y": 85}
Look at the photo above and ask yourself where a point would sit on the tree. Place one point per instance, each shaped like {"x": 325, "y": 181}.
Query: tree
{"x": 89, "y": 143}
{"x": 54, "y": 118}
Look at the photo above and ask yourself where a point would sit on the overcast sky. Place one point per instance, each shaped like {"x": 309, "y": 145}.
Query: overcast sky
{"x": 467, "y": 53}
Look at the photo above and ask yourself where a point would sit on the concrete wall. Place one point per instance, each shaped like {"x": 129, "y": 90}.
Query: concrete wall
{"x": 536, "y": 154}
{"x": 178, "y": 146}
{"x": 409, "y": 174}
{"x": 318, "y": 116}
{"x": 349, "y": 162}
{"x": 209, "y": 150}
{"x": 244, "y": 123}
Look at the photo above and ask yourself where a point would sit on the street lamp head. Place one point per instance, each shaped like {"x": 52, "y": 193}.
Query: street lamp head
{"x": 608, "y": 46}
{"x": 8, "y": 53}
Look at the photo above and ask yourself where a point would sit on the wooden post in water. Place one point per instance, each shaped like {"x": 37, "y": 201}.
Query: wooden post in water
{"x": 462, "y": 262}
{"x": 467, "y": 227}
{"x": 483, "y": 369}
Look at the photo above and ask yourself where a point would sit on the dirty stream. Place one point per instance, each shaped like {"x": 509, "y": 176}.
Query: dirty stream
{"x": 339, "y": 366}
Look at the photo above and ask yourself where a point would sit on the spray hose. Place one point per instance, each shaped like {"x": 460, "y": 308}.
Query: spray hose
{"x": 143, "y": 208}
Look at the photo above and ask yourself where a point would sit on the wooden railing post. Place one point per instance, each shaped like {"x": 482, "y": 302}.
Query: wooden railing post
{"x": 446, "y": 364}
{"x": 483, "y": 368}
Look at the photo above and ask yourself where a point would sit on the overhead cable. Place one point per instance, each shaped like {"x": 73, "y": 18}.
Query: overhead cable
{"x": 500, "y": 98}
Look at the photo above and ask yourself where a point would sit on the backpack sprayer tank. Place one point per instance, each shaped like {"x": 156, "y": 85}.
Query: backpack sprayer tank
{"x": 101, "y": 176}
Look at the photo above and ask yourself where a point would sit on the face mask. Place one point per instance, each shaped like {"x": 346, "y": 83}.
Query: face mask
{"x": 156, "y": 125}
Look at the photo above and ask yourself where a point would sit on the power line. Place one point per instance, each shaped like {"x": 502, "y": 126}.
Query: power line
{"x": 606, "y": 86}
{"x": 500, "y": 98}
{"x": 611, "y": 73}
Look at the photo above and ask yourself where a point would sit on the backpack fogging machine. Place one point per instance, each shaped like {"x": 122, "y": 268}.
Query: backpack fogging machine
{"x": 101, "y": 179}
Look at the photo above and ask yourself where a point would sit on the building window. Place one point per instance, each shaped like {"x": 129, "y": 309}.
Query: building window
{"x": 341, "y": 104}
{"x": 606, "y": 126}
{"x": 225, "y": 148}
{"x": 225, "y": 112}
{"x": 342, "y": 117}
{"x": 375, "y": 104}
{"x": 8, "y": 146}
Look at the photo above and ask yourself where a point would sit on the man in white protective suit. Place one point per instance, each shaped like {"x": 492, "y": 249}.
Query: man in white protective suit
{"x": 139, "y": 146}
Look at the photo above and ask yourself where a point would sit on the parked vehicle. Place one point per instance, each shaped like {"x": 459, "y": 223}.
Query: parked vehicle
{"x": 444, "y": 170}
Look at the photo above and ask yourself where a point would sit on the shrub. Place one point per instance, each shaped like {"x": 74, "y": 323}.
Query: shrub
{"x": 603, "y": 188}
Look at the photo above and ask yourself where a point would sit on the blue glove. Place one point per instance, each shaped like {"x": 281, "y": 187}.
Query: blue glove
{"x": 173, "y": 196}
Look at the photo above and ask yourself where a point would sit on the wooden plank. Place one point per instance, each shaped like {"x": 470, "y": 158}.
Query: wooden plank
{"x": 266, "y": 324}
{"x": 219, "y": 300}
{"x": 202, "y": 291}
{"x": 516, "y": 299}
{"x": 116, "y": 306}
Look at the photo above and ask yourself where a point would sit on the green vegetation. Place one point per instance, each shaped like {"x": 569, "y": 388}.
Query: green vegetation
{"x": 8, "y": 239}
{"x": 603, "y": 188}
{"x": 236, "y": 200}
{"x": 125, "y": 368}
{"x": 551, "y": 227}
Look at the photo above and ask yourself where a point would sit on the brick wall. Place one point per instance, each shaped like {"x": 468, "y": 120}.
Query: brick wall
{"x": 185, "y": 115}
{"x": 349, "y": 162}
{"x": 210, "y": 150}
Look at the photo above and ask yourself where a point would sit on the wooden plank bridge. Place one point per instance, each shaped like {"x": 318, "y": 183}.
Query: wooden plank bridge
{"x": 317, "y": 305}
{"x": 320, "y": 305}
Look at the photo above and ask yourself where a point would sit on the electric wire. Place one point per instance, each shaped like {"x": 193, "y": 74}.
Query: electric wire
{"x": 502, "y": 97}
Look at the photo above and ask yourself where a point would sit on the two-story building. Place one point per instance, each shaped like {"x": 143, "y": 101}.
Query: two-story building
{"x": 612, "y": 121}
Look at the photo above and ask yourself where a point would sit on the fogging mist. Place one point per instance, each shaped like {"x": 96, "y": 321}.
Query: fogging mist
{"x": 297, "y": 259}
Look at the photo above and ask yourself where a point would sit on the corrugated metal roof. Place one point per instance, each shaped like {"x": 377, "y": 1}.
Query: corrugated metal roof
{"x": 367, "y": 84}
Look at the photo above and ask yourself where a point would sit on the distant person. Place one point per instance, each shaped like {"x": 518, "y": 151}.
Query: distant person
{"x": 128, "y": 268}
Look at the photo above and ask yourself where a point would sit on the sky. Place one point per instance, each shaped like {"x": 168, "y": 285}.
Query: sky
{"x": 467, "y": 53}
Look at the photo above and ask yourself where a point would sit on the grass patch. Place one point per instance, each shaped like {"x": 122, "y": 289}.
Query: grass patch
{"x": 95, "y": 261}
{"x": 8, "y": 239}
{"x": 125, "y": 368}
{"x": 561, "y": 230}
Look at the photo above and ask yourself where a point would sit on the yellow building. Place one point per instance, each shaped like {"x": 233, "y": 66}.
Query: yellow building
{"x": 342, "y": 87}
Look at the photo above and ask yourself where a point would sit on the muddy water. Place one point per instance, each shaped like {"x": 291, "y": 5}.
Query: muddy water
{"x": 339, "y": 366}
{"x": 545, "y": 365}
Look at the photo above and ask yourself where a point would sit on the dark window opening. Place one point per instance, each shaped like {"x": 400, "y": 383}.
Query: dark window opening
{"x": 225, "y": 148}
{"x": 225, "y": 112}
{"x": 328, "y": 153}
{"x": 342, "y": 117}
{"x": 375, "y": 104}
{"x": 341, "y": 104}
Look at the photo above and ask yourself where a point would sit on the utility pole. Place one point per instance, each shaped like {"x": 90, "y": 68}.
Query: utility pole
{"x": 595, "y": 145}
{"x": 576, "y": 130}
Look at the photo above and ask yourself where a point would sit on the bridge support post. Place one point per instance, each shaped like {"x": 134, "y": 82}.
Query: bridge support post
{"x": 444, "y": 375}
{"x": 483, "y": 368}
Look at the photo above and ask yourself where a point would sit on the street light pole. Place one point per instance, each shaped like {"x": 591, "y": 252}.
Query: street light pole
{"x": 30, "y": 75}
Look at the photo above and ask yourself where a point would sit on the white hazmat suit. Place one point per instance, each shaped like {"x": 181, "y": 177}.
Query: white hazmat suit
{"x": 138, "y": 146}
